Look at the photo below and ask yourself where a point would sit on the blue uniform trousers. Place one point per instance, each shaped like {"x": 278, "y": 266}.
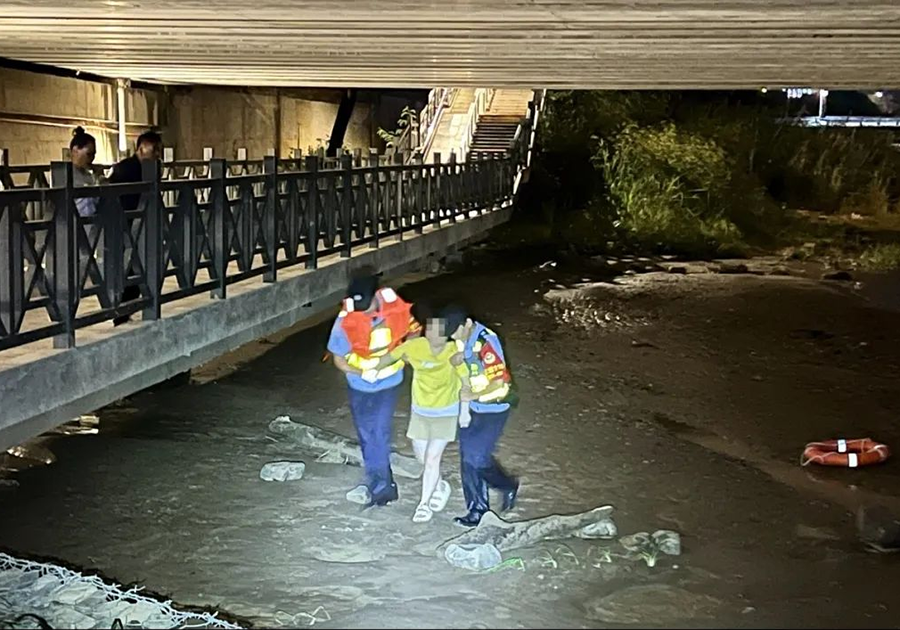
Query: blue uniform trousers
{"x": 479, "y": 469}
{"x": 373, "y": 416}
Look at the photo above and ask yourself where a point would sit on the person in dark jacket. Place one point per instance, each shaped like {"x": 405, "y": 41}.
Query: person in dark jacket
{"x": 129, "y": 171}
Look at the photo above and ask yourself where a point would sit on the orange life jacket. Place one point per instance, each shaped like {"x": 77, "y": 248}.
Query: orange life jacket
{"x": 394, "y": 312}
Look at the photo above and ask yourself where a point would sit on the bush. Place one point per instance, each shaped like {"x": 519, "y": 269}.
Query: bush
{"x": 881, "y": 257}
{"x": 679, "y": 173}
{"x": 669, "y": 190}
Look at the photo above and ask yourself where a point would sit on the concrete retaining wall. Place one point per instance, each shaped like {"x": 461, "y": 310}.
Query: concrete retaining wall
{"x": 53, "y": 389}
{"x": 38, "y": 113}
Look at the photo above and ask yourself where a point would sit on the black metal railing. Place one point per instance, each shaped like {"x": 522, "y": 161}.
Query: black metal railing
{"x": 212, "y": 224}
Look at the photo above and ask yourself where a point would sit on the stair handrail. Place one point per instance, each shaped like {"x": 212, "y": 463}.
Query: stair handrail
{"x": 480, "y": 104}
{"x": 439, "y": 99}
{"x": 523, "y": 140}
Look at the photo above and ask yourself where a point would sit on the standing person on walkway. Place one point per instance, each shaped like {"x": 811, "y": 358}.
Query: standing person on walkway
{"x": 373, "y": 322}
{"x": 82, "y": 151}
{"x": 435, "y": 408}
{"x": 131, "y": 171}
{"x": 489, "y": 382}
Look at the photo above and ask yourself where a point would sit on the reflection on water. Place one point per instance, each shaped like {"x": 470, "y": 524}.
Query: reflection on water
{"x": 87, "y": 424}
{"x": 37, "y": 452}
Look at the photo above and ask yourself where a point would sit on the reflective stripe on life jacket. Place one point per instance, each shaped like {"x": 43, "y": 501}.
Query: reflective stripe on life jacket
{"x": 368, "y": 342}
{"x": 484, "y": 360}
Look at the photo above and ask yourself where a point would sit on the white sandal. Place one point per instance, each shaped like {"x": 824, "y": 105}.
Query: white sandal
{"x": 439, "y": 498}
{"x": 423, "y": 514}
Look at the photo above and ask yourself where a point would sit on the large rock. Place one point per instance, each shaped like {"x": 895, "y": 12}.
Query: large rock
{"x": 337, "y": 446}
{"x": 282, "y": 471}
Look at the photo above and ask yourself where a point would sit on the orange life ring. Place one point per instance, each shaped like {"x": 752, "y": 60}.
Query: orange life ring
{"x": 849, "y": 453}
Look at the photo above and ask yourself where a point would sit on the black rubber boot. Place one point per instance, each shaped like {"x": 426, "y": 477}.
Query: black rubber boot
{"x": 382, "y": 494}
{"x": 498, "y": 479}
{"x": 475, "y": 489}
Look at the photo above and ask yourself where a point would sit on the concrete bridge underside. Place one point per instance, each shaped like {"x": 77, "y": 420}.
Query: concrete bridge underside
{"x": 612, "y": 44}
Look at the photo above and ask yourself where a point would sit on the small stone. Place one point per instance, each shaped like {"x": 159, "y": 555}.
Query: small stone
{"x": 635, "y": 542}
{"x": 738, "y": 268}
{"x": 359, "y": 495}
{"x": 603, "y": 529}
{"x": 282, "y": 471}
{"x": 667, "y": 541}
{"x": 473, "y": 557}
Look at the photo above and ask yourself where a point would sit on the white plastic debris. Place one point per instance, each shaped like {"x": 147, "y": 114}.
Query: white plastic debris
{"x": 282, "y": 471}
{"x": 473, "y": 557}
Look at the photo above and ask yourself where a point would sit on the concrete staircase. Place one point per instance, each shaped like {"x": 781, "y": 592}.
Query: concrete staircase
{"x": 496, "y": 128}
{"x": 451, "y": 126}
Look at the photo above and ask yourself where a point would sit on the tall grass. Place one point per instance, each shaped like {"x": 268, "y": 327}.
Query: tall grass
{"x": 662, "y": 173}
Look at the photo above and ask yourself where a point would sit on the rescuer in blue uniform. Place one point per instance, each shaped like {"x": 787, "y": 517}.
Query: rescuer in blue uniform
{"x": 488, "y": 396}
{"x": 371, "y": 324}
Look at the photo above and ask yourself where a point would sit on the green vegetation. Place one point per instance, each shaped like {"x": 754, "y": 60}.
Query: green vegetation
{"x": 700, "y": 174}
{"x": 408, "y": 118}
{"x": 880, "y": 257}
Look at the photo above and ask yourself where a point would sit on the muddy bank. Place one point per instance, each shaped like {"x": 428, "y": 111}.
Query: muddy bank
{"x": 683, "y": 399}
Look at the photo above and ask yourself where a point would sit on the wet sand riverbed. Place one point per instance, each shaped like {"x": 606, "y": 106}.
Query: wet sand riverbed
{"x": 684, "y": 400}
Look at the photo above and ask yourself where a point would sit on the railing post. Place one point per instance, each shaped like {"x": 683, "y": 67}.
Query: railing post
{"x": 112, "y": 217}
{"x": 485, "y": 201}
{"x": 398, "y": 192}
{"x": 12, "y": 268}
{"x": 346, "y": 204}
{"x": 374, "y": 198}
{"x": 270, "y": 168}
{"x": 438, "y": 186}
{"x": 5, "y": 178}
{"x": 496, "y": 168}
{"x": 64, "y": 262}
{"x": 418, "y": 174}
{"x": 154, "y": 254}
{"x": 452, "y": 186}
{"x": 312, "y": 213}
{"x": 218, "y": 206}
